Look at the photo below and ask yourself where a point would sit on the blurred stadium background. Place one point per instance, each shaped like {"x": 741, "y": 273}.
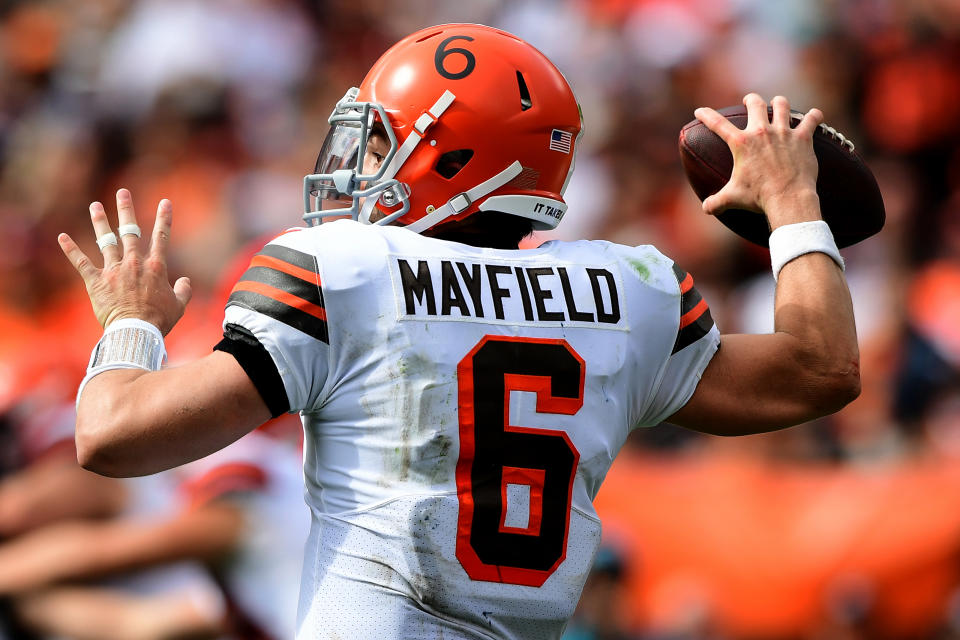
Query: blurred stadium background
{"x": 847, "y": 528}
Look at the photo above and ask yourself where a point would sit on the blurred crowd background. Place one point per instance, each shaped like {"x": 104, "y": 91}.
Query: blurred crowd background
{"x": 846, "y": 528}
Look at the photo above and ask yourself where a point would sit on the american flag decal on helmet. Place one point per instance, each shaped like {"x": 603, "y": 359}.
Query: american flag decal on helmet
{"x": 560, "y": 140}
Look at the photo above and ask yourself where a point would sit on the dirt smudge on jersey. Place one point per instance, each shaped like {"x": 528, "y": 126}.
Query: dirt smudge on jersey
{"x": 428, "y": 574}
{"x": 412, "y": 392}
{"x": 431, "y": 458}
{"x": 411, "y": 400}
{"x": 423, "y": 409}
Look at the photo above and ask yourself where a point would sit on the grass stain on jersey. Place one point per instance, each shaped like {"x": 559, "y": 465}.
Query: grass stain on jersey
{"x": 431, "y": 458}
{"x": 641, "y": 269}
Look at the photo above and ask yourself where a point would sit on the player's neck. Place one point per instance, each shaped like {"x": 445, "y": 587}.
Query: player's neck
{"x": 488, "y": 229}
{"x": 477, "y": 240}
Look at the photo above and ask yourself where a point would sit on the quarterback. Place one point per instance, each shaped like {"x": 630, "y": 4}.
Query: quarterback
{"x": 462, "y": 399}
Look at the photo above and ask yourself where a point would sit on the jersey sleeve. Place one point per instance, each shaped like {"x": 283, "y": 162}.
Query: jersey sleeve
{"x": 275, "y": 325}
{"x": 697, "y": 339}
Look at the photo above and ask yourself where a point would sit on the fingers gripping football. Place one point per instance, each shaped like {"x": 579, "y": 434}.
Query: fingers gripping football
{"x": 771, "y": 160}
{"x": 130, "y": 284}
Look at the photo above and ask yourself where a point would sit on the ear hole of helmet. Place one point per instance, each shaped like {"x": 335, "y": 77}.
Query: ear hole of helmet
{"x": 525, "y": 102}
{"x": 452, "y": 162}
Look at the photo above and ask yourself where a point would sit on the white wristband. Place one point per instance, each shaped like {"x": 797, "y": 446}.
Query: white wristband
{"x": 128, "y": 343}
{"x": 794, "y": 240}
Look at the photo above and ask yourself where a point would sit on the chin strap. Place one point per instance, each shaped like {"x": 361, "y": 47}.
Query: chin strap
{"x": 462, "y": 201}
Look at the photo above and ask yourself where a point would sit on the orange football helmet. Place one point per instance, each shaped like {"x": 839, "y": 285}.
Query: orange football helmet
{"x": 476, "y": 119}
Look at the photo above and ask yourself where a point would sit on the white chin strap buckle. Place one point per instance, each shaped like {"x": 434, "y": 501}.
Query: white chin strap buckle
{"x": 460, "y": 203}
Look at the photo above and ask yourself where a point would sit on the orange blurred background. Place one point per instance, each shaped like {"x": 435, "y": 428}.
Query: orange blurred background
{"x": 845, "y": 528}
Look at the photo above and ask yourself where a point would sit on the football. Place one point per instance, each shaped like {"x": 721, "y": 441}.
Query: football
{"x": 850, "y": 200}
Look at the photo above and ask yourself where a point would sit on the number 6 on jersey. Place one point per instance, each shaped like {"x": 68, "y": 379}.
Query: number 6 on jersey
{"x": 541, "y": 463}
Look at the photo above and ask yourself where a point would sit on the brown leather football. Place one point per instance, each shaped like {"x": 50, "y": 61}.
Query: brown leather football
{"x": 850, "y": 199}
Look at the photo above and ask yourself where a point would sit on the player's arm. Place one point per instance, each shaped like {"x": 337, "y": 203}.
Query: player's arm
{"x": 132, "y": 421}
{"x": 809, "y": 367}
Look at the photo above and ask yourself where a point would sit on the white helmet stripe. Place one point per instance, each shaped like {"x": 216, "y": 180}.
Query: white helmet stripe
{"x": 419, "y": 128}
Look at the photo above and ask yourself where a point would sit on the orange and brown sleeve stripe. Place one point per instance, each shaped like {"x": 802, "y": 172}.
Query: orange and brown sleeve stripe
{"x": 695, "y": 318}
{"x": 284, "y": 284}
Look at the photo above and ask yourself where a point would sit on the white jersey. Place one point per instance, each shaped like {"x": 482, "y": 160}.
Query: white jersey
{"x": 461, "y": 407}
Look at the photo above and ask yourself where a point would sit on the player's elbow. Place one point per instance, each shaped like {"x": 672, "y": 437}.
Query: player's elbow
{"x": 847, "y": 385}
{"x": 836, "y": 385}
{"x": 97, "y": 450}
{"x": 92, "y": 455}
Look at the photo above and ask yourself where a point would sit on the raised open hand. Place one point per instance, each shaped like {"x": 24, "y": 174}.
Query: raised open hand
{"x": 773, "y": 164}
{"x": 130, "y": 284}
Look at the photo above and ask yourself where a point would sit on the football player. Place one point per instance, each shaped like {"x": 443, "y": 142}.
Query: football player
{"x": 462, "y": 399}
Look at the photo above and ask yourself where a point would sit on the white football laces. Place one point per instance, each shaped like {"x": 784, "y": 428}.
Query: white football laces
{"x": 836, "y": 135}
{"x": 830, "y": 131}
